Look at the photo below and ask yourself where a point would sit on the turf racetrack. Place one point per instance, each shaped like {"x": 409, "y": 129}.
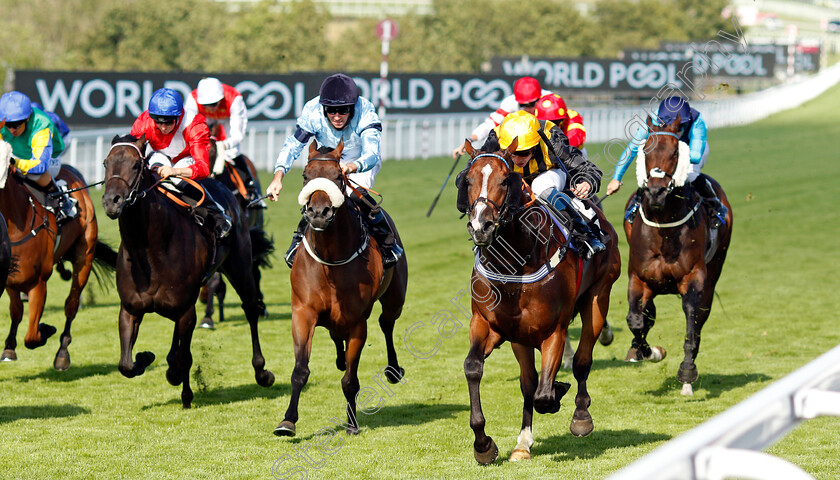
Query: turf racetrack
{"x": 777, "y": 310}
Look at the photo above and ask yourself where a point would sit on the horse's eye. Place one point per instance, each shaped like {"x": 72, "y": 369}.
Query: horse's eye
{"x": 136, "y": 167}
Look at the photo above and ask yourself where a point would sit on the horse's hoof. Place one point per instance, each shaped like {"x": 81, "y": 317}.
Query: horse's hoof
{"x": 392, "y": 377}
{"x": 340, "y": 364}
{"x": 265, "y": 378}
{"x": 520, "y": 454}
{"x": 581, "y": 428}
{"x": 207, "y": 323}
{"x": 285, "y": 429}
{"x": 488, "y": 457}
{"x": 143, "y": 360}
{"x": 633, "y": 355}
{"x": 687, "y": 375}
{"x": 173, "y": 378}
{"x": 9, "y": 355}
{"x": 62, "y": 362}
{"x": 352, "y": 430}
{"x": 657, "y": 354}
{"x": 606, "y": 337}
{"x": 687, "y": 390}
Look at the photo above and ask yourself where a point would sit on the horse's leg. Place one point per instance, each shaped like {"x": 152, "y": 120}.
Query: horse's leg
{"x": 697, "y": 304}
{"x": 350, "y": 380}
{"x": 340, "y": 360}
{"x": 549, "y": 392}
{"x": 37, "y": 333}
{"x": 568, "y": 353}
{"x": 528, "y": 384}
{"x": 482, "y": 342}
{"x": 242, "y": 282}
{"x": 184, "y": 327}
{"x": 220, "y": 297}
{"x": 640, "y": 318}
{"x": 210, "y": 288}
{"x": 16, "y": 315}
{"x": 391, "y": 311}
{"x": 303, "y": 327}
{"x": 129, "y": 328}
{"x": 82, "y": 264}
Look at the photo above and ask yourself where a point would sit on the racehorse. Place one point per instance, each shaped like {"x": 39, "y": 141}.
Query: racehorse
{"x": 7, "y": 262}
{"x": 37, "y": 244}
{"x": 336, "y": 279}
{"x": 672, "y": 248}
{"x": 163, "y": 259}
{"x": 527, "y": 286}
{"x": 230, "y": 177}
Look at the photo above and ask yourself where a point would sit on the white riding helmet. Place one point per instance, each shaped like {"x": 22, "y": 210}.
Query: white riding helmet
{"x": 210, "y": 91}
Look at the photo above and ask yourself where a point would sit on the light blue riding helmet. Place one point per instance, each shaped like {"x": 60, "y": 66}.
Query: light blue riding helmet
{"x": 166, "y": 102}
{"x": 15, "y": 106}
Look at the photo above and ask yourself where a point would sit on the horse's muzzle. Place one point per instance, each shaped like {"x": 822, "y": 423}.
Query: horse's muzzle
{"x": 481, "y": 230}
{"x": 319, "y": 217}
{"x": 113, "y": 204}
{"x": 656, "y": 196}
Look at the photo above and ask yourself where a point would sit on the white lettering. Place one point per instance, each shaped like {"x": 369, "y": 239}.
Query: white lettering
{"x": 59, "y": 95}
{"x": 85, "y": 101}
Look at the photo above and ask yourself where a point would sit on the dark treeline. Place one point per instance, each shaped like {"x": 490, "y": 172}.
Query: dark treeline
{"x": 206, "y": 35}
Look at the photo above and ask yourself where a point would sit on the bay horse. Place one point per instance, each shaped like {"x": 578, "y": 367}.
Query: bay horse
{"x": 527, "y": 286}
{"x": 336, "y": 279}
{"x": 38, "y": 244}
{"x": 163, "y": 259}
{"x": 215, "y": 288}
{"x": 672, "y": 248}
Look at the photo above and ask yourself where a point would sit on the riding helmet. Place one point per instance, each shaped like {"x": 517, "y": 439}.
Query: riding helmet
{"x": 552, "y": 107}
{"x": 522, "y": 125}
{"x": 209, "y": 91}
{"x": 671, "y": 107}
{"x": 15, "y": 106}
{"x": 338, "y": 90}
{"x": 526, "y": 90}
{"x": 166, "y": 102}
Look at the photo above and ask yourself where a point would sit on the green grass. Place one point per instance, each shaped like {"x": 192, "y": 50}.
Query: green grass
{"x": 776, "y": 311}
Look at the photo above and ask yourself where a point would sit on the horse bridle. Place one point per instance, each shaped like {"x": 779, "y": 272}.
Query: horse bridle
{"x": 658, "y": 172}
{"x": 133, "y": 187}
{"x": 505, "y": 215}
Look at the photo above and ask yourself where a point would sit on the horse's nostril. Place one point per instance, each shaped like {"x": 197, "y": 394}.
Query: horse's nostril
{"x": 486, "y": 226}
{"x": 325, "y": 211}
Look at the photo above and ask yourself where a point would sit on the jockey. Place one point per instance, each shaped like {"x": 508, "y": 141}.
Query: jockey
{"x": 180, "y": 137}
{"x": 222, "y": 103}
{"x": 526, "y": 92}
{"x": 62, "y": 127}
{"x": 339, "y": 113}
{"x": 36, "y": 145}
{"x": 553, "y": 169}
{"x": 693, "y": 132}
{"x": 552, "y": 107}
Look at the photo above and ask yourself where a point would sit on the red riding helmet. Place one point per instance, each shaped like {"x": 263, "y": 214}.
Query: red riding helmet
{"x": 526, "y": 90}
{"x": 552, "y": 107}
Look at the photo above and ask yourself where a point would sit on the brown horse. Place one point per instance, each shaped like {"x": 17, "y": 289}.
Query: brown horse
{"x": 336, "y": 279}
{"x": 672, "y": 250}
{"x": 230, "y": 177}
{"x": 527, "y": 286}
{"x": 38, "y": 244}
{"x": 163, "y": 259}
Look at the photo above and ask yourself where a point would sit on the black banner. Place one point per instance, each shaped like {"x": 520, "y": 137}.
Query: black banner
{"x": 598, "y": 75}
{"x": 117, "y": 98}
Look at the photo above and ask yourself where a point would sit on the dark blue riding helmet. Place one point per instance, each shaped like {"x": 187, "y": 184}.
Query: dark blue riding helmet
{"x": 338, "y": 90}
{"x": 15, "y": 106}
{"x": 166, "y": 102}
{"x": 673, "y": 106}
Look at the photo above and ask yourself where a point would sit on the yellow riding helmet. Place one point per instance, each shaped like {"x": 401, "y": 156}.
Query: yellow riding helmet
{"x": 519, "y": 124}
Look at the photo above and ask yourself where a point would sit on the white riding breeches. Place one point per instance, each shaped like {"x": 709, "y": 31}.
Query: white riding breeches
{"x": 364, "y": 179}
{"x": 694, "y": 170}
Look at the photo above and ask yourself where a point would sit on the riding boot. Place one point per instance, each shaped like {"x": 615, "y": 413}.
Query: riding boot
{"x": 220, "y": 222}
{"x": 633, "y": 207}
{"x": 297, "y": 237}
{"x": 381, "y": 231}
{"x": 60, "y": 202}
{"x": 254, "y": 192}
{"x": 719, "y": 210}
{"x": 581, "y": 233}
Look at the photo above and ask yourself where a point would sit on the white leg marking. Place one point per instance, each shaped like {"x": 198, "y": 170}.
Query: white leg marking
{"x": 523, "y": 445}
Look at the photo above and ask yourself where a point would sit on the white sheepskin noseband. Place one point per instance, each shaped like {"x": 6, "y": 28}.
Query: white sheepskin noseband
{"x": 5, "y": 156}
{"x": 331, "y": 189}
{"x": 680, "y": 173}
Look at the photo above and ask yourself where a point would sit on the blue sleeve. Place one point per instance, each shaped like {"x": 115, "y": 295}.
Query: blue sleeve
{"x": 697, "y": 139}
{"x": 370, "y": 134}
{"x": 639, "y": 139}
{"x": 290, "y": 151}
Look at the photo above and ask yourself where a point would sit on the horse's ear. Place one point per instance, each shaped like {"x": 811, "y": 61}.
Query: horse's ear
{"x": 338, "y": 149}
{"x": 649, "y": 122}
{"x": 508, "y": 152}
{"x": 141, "y": 142}
{"x": 113, "y": 140}
{"x": 313, "y": 150}
{"x": 675, "y": 125}
{"x": 468, "y": 147}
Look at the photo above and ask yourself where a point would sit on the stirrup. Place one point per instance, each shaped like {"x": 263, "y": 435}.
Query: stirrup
{"x": 630, "y": 214}
{"x": 391, "y": 256}
{"x": 292, "y": 251}
{"x": 222, "y": 230}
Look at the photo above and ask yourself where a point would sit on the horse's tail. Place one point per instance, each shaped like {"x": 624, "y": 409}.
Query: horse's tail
{"x": 104, "y": 264}
{"x": 262, "y": 246}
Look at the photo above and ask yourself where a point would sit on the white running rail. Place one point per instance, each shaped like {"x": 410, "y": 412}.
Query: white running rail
{"x": 729, "y": 444}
